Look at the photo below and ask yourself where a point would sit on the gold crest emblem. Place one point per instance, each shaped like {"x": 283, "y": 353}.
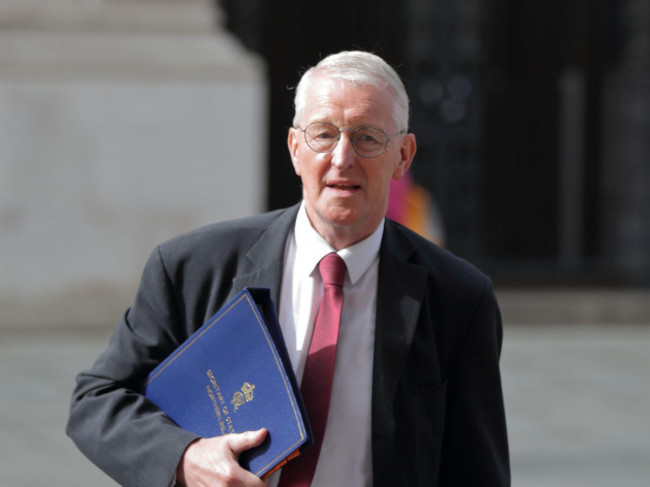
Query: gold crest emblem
{"x": 243, "y": 396}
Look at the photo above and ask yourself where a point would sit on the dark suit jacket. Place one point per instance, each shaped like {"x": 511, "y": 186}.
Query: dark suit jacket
{"x": 437, "y": 406}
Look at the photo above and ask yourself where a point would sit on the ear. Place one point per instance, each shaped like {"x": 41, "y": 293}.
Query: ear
{"x": 406, "y": 152}
{"x": 292, "y": 143}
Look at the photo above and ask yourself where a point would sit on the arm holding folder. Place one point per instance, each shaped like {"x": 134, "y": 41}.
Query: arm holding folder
{"x": 111, "y": 420}
{"x": 233, "y": 375}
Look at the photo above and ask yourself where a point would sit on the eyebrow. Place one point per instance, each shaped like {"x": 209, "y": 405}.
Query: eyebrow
{"x": 353, "y": 127}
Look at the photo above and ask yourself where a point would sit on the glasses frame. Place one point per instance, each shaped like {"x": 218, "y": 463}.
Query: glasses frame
{"x": 352, "y": 132}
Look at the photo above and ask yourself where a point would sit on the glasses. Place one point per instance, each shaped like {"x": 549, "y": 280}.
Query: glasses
{"x": 368, "y": 142}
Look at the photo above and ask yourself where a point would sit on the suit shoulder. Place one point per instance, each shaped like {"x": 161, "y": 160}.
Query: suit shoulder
{"x": 235, "y": 233}
{"x": 441, "y": 263}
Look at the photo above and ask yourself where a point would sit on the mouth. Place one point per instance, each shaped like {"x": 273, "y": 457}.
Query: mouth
{"x": 341, "y": 186}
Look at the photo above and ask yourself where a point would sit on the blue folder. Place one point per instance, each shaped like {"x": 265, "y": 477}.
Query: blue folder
{"x": 234, "y": 375}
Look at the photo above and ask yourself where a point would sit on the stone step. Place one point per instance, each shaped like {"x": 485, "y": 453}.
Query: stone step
{"x": 577, "y": 306}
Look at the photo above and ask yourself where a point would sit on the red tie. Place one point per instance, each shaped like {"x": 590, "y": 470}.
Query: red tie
{"x": 317, "y": 380}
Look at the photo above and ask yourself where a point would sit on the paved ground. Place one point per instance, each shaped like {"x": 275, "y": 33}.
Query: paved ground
{"x": 578, "y": 404}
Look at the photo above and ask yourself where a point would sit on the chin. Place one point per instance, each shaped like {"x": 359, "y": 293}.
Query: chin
{"x": 341, "y": 216}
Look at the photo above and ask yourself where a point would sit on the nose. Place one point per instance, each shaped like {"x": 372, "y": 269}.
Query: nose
{"x": 343, "y": 154}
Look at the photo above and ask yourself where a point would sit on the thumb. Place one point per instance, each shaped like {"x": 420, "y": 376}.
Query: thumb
{"x": 240, "y": 442}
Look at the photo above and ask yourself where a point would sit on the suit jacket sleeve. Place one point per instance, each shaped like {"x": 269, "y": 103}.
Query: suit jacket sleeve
{"x": 475, "y": 450}
{"x": 110, "y": 420}
{"x": 185, "y": 281}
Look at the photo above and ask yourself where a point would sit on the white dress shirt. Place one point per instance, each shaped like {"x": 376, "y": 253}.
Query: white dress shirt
{"x": 345, "y": 457}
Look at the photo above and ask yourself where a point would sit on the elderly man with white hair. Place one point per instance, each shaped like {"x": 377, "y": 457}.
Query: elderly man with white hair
{"x": 411, "y": 392}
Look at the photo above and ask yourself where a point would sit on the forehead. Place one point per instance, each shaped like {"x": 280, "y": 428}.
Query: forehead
{"x": 345, "y": 103}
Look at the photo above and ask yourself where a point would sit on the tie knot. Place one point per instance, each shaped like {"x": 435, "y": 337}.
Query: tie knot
{"x": 332, "y": 269}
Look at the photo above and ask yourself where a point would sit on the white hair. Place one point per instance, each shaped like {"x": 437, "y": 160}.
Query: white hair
{"x": 357, "y": 67}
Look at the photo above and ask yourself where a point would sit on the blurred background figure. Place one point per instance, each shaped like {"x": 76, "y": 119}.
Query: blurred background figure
{"x": 413, "y": 206}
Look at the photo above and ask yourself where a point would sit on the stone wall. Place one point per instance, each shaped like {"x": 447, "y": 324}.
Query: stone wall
{"x": 122, "y": 123}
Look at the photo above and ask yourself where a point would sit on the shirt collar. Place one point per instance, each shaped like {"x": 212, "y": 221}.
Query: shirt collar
{"x": 311, "y": 248}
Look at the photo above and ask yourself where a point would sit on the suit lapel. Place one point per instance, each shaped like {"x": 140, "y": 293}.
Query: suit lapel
{"x": 400, "y": 292}
{"x": 266, "y": 257}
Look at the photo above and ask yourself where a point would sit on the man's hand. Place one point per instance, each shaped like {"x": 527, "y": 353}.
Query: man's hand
{"x": 213, "y": 461}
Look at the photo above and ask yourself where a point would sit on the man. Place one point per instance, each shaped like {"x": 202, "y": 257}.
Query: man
{"x": 416, "y": 397}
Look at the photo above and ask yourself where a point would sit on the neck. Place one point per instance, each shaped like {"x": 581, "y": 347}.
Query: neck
{"x": 341, "y": 240}
{"x": 341, "y": 236}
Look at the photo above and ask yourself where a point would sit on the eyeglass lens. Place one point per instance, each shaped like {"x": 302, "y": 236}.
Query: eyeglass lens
{"x": 367, "y": 141}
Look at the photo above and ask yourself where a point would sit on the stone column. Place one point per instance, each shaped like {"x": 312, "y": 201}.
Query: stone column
{"x": 122, "y": 123}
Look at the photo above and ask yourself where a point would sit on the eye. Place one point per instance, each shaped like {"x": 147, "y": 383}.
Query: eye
{"x": 324, "y": 134}
{"x": 366, "y": 137}
{"x": 370, "y": 136}
{"x": 322, "y": 131}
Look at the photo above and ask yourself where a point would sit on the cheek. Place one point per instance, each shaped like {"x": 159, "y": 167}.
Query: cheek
{"x": 309, "y": 177}
{"x": 314, "y": 169}
{"x": 383, "y": 178}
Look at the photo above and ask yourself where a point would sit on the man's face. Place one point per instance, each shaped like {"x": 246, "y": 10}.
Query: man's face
{"x": 346, "y": 195}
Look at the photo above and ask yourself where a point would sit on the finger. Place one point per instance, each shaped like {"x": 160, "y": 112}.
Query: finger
{"x": 245, "y": 441}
